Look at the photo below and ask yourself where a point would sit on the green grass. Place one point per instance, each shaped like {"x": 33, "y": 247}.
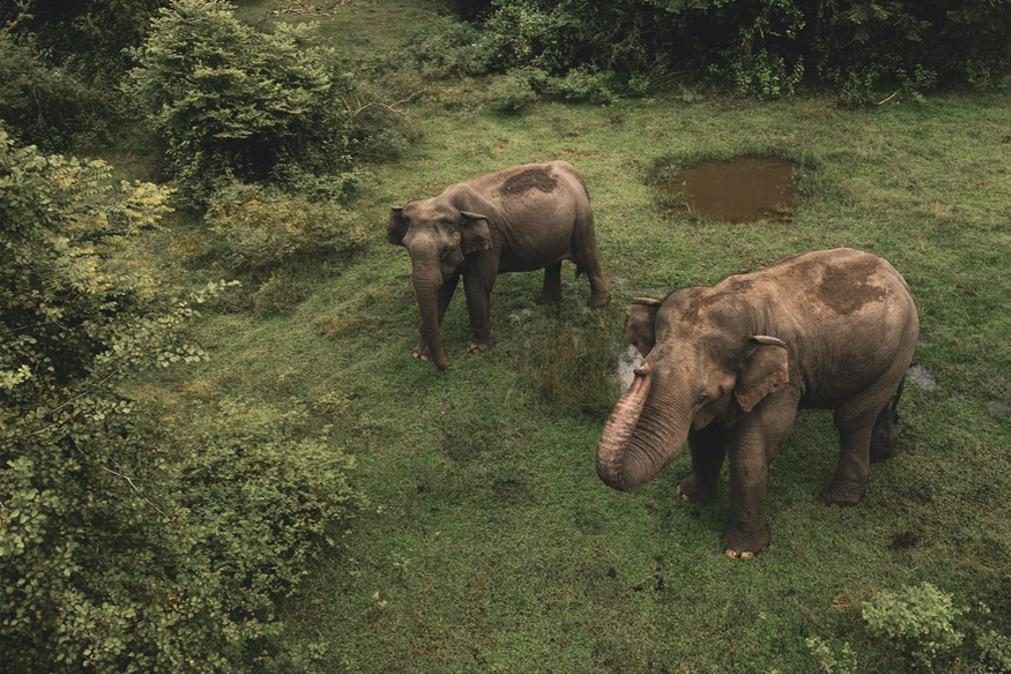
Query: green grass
{"x": 492, "y": 545}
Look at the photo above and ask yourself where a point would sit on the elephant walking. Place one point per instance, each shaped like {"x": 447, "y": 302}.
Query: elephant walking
{"x": 522, "y": 218}
{"x": 728, "y": 367}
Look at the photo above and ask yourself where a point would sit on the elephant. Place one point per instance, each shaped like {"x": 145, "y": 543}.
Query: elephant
{"x": 727, "y": 367}
{"x": 522, "y": 218}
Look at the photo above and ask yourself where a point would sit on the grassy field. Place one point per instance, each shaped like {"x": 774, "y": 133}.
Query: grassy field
{"x": 490, "y": 544}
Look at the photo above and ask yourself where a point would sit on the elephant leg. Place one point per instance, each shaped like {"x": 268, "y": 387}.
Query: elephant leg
{"x": 445, "y": 295}
{"x": 855, "y": 420}
{"x": 478, "y": 286}
{"x": 587, "y": 257}
{"x": 756, "y": 440}
{"x": 551, "y": 293}
{"x": 708, "y": 450}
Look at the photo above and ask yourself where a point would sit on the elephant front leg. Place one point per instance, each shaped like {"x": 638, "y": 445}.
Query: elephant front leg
{"x": 421, "y": 351}
{"x": 478, "y": 288}
{"x": 708, "y": 450}
{"x": 756, "y": 441}
{"x": 747, "y": 534}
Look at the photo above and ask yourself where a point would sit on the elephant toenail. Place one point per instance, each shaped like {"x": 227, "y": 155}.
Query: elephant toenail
{"x": 747, "y": 555}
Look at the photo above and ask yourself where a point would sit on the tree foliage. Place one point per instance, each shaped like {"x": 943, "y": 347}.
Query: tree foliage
{"x": 122, "y": 549}
{"x": 228, "y": 99}
{"x": 763, "y": 47}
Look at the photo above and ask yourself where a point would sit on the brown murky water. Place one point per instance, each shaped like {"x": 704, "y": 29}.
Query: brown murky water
{"x": 740, "y": 190}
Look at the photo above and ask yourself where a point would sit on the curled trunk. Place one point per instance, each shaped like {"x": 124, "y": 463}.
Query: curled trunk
{"x": 645, "y": 431}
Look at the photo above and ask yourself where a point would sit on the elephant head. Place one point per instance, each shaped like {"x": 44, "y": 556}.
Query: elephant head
{"x": 694, "y": 371}
{"x": 438, "y": 233}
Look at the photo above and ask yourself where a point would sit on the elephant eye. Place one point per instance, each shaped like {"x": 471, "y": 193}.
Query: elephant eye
{"x": 703, "y": 397}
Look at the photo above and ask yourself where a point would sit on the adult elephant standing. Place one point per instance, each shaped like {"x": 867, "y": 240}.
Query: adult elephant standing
{"x": 727, "y": 367}
{"x": 518, "y": 219}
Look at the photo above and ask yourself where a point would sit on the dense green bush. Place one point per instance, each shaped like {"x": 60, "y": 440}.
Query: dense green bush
{"x": 87, "y": 36}
{"x": 229, "y": 100}
{"x": 44, "y": 104}
{"x": 262, "y": 227}
{"x": 831, "y": 660}
{"x": 512, "y": 93}
{"x": 919, "y": 618}
{"x": 59, "y": 67}
{"x": 763, "y": 47}
{"x": 122, "y": 548}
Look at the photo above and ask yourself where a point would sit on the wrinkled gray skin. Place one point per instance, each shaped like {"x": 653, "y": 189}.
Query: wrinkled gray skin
{"x": 726, "y": 368}
{"x": 519, "y": 219}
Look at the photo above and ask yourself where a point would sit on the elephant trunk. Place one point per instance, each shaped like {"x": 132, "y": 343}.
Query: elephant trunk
{"x": 639, "y": 439}
{"x": 426, "y": 288}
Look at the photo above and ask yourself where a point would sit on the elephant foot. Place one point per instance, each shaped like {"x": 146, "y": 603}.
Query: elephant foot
{"x": 842, "y": 494}
{"x": 695, "y": 491}
{"x": 739, "y": 544}
{"x": 548, "y": 298}
{"x": 599, "y": 300}
{"x": 475, "y": 345}
{"x": 420, "y": 352}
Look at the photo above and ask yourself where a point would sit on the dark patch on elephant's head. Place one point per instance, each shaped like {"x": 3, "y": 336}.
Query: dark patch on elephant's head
{"x": 847, "y": 288}
{"x": 529, "y": 179}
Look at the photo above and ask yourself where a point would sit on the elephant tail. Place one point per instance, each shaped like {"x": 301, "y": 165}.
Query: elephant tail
{"x": 580, "y": 271}
{"x": 884, "y": 437}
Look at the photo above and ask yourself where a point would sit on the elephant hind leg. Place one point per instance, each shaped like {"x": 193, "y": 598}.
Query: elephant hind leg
{"x": 857, "y": 420}
{"x": 551, "y": 293}
{"x": 587, "y": 259}
{"x": 884, "y": 437}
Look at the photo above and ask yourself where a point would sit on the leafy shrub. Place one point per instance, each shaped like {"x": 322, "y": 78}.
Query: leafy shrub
{"x": 764, "y": 47}
{"x": 448, "y": 48}
{"x": 919, "y": 618}
{"x": 580, "y": 84}
{"x": 262, "y": 227}
{"x": 266, "y": 505}
{"x": 830, "y": 660}
{"x": 227, "y": 99}
{"x": 994, "y": 652}
{"x": 44, "y": 104}
{"x": 88, "y": 36}
{"x": 512, "y": 93}
{"x": 767, "y": 76}
{"x": 123, "y": 549}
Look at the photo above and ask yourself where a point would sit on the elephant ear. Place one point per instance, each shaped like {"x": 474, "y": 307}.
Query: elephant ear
{"x": 396, "y": 228}
{"x": 475, "y": 234}
{"x": 766, "y": 368}
{"x": 640, "y": 319}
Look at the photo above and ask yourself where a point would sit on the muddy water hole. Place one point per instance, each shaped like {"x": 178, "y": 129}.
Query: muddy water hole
{"x": 743, "y": 189}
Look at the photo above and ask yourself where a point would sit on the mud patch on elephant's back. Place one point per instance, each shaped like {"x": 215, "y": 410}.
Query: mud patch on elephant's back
{"x": 849, "y": 288}
{"x": 745, "y": 189}
{"x": 529, "y": 179}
